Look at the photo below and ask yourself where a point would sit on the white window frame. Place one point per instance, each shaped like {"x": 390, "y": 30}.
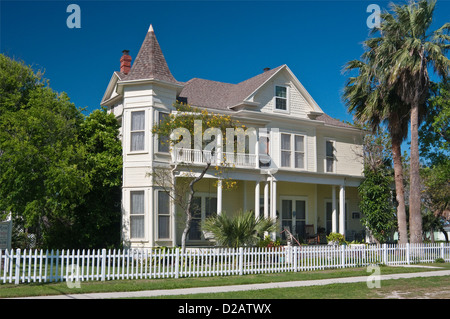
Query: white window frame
{"x": 157, "y": 215}
{"x": 333, "y": 141}
{"x": 275, "y": 97}
{"x": 293, "y": 151}
{"x": 203, "y": 197}
{"x": 131, "y": 215}
{"x": 144, "y": 149}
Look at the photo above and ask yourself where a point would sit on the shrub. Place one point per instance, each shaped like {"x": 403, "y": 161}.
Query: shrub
{"x": 336, "y": 238}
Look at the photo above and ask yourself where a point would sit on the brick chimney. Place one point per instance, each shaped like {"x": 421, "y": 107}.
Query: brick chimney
{"x": 125, "y": 62}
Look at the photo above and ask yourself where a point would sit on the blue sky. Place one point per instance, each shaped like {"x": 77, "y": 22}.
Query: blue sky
{"x": 228, "y": 41}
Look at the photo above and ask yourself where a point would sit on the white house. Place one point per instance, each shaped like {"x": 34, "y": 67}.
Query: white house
{"x": 315, "y": 160}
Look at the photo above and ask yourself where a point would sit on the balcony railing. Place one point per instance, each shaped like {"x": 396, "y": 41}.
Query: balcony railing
{"x": 192, "y": 156}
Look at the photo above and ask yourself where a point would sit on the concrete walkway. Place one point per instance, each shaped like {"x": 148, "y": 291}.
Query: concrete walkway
{"x": 210, "y": 290}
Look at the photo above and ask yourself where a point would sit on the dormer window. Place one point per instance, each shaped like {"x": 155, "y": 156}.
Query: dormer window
{"x": 281, "y": 98}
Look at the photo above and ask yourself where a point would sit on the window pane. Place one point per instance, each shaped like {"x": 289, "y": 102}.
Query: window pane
{"x": 300, "y": 228}
{"x": 330, "y": 148}
{"x": 330, "y": 165}
{"x": 280, "y": 104}
{"x": 138, "y": 121}
{"x": 300, "y": 209}
{"x": 163, "y": 141}
{"x": 299, "y": 160}
{"x": 137, "y": 141}
{"x": 163, "y": 144}
{"x": 286, "y": 209}
{"x": 280, "y": 91}
{"x": 137, "y": 227}
{"x": 137, "y": 203}
{"x": 285, "y": 159}
{"x": 196, "y": 207}
{"x": 163, "y": 203}
{"x": 194, "y": 232}
{"x": 163, "y": 226}
{"x": 285, "y": 141}
{"x": 299, "y": 143}
{"x": 211, "y": 206}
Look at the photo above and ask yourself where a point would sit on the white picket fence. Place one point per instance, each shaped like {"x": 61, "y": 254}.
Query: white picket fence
{"x": 18, "y": 266}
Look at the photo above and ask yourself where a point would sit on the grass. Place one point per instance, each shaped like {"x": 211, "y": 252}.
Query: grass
{"x": 36, "y": 289}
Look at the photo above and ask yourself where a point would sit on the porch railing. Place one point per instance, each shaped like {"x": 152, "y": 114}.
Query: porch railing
{"x": 193, "y": 156}
{"x": 18, "y": 266}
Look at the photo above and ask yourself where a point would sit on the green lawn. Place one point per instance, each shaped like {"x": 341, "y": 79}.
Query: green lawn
{"x": 35, "y": 289}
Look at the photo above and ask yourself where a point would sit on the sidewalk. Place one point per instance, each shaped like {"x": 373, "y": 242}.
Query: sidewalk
{"x": 209, "y": 290}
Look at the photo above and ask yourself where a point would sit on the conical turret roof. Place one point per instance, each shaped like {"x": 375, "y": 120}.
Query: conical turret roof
{"x": 150, "y": 62}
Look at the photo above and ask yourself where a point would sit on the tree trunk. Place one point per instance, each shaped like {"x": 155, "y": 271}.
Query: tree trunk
{"x": 400, "y": 191}
{"x": 415, "y": 216}
{"x": 187, "y": 225}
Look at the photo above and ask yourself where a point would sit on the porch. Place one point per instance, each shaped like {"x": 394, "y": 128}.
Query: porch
{"x": 304, "y": 209}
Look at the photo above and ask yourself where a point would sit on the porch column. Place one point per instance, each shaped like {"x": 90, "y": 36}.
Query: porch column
{"x": 342, "y": 210}
{"x": 219, "y": 196}
{"x": 333, "y": 209}
{"x": 257, "y": 200}
{"x": 174, "y": 214}
{"x": 273, "y": 204}
{"x": 266, "y": 200}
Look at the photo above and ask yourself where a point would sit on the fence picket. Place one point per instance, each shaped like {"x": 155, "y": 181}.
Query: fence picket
{"x": 37, "y": 266}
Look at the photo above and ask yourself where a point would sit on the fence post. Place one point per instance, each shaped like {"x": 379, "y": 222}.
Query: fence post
{"x": 385, "y": 254}
{"x": 17, "y": 277}
{"x": 103, "y": 264}
{"x": 177, "y": 262}
{"x": 408, "y": 254}
{"x": 343, "y": 256}
{"x": 442, "y": 251}
{"x": 241, "y": 260}
{"x": 294, "y": 256}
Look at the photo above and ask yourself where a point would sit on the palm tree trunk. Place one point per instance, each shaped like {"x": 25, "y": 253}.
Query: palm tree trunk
{"x": 415, "y": 217}
{"x": 400, "y": 191}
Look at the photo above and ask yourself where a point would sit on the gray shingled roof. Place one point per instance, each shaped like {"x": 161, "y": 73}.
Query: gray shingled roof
{"x": 331, "y": 121}
{"x": 219, "y": 95}
{"x": 150, "y": 62}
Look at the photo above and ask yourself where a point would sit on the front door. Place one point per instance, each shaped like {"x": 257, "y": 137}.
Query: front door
{"x": 293, "y": 216}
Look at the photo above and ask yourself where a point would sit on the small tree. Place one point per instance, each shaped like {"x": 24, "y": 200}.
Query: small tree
{"x": 240, "y": 230}
{"x": 376, "y": 203}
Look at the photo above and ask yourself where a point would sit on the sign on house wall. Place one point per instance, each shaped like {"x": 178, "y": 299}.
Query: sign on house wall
{"x": 5, "y": 234}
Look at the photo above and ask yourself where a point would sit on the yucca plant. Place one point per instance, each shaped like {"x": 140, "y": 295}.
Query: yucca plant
{"x": 242, "y": 229}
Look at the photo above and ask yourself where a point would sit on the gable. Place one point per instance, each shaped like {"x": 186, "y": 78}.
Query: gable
{"x": 298, "y": 101}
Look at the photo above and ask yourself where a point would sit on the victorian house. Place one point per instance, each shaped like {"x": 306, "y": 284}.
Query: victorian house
{"x": 304, "y": 171}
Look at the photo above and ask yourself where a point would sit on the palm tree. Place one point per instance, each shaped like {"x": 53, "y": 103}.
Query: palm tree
{"x": 396, "y": 78}
{"x": 242, "y": 229}
{"x": 373, "y": 104}
{"x": 405, "y": 51}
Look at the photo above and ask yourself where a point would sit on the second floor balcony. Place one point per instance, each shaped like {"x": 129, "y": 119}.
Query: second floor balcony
{"x": 201, "y": 157}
